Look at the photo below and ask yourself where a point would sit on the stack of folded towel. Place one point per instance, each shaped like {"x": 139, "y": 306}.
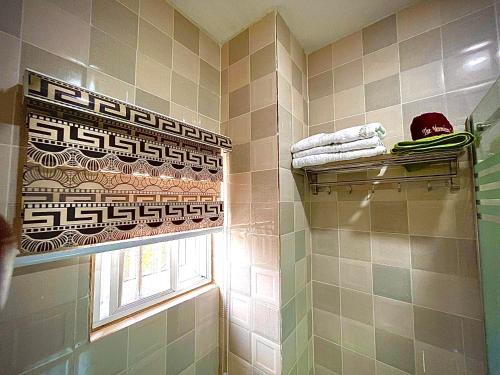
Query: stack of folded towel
{"x": 346, "y": 144}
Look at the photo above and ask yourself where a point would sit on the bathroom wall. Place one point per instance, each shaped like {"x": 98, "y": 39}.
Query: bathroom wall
{"x": 395, "y": 277}
{"x": 143, "y": 52}
{"x": 295, "y": 235}
{"x": 249, "y": 116}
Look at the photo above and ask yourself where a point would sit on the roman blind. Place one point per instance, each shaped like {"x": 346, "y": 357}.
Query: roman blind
{"x": 99, "y": 170}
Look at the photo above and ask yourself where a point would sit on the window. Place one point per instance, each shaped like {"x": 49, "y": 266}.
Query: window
{"x": 129, "y": 280}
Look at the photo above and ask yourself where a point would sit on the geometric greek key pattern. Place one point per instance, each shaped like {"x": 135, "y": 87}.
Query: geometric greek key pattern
{"x": 99, "y": 170}
{"x": 55, "y": 143}
{"x": 41, "y": 88}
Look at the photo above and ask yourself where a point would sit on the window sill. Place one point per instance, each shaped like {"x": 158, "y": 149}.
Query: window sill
{"x": 113, "y": 327}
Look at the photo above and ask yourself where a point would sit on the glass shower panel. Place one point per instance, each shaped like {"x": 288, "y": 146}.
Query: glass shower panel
{"x": 485, "y": 124}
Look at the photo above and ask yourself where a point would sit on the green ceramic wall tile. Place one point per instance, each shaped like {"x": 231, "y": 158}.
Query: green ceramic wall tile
{"x": 392, "y": 282}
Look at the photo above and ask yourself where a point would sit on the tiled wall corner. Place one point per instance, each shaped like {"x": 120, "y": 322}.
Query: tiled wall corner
{"x": 295, "y": 250}
{"x": 406, "y": 260}
{"x": 249, "y": 95}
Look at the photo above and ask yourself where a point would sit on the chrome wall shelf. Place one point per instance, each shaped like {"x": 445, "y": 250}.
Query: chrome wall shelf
{"x": 447, "y": 158}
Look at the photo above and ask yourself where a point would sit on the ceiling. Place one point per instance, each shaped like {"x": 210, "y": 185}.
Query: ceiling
{"x": 314, "y": 23}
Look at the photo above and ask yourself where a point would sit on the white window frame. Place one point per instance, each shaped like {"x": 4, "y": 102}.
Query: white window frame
{"x": 118, "y": 312}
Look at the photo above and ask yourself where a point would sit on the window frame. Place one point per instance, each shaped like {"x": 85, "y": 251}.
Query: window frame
{"x": 143, "y": 304}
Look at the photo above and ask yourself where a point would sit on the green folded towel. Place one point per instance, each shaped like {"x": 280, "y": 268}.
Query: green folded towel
{"x": 445, "y": 142}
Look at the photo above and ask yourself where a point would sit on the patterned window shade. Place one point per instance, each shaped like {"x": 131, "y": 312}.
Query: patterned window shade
{"x": 100, "y": 170}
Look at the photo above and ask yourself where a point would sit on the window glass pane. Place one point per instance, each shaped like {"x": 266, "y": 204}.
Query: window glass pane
{"x": 156, "y": 269}
{"x": 194, "y": 256}
{"x": 130, "y": 268}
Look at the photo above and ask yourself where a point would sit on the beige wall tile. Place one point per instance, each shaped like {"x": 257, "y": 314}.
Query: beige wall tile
{"x": 358, "y": 337}
{"x": 55, "y": 66}
{"x": 146, "y": 100}
{"x": 447, "y": 293}
{"x": 154, "y": 43}
{"x": 265, "y": 186}
{"x": 348, "y": 76}
{"x": 347, "y": 49}
{"x": 459, "y": 47}
{"x": 284, "y": 62}
{"x": 319, "y": 61}
{"x": 186, "y": 63}
{"x": 379, "y": 35}
{"x": 111, "y": 56}
{"x": 107, "y": 85}
{"x": 239, "y": 101}
{"x": 326, "y": 297}
{"x": 239, "y": 74}
{"x": 186, "y": 33}
{"x": 439, "y": 361}
{"x": 347, "y": 122}
{"x": 325, "y": 269}
{"x": 159, "y": 13}
{"x": 239, "y": 46}
{"x": 262, "y": 62}
{"x": 184, "y": 92}
{"x": 240, "y": 192}
{"x": 349, "y": 102}
{"x": 262, "y": 32}
{"x": 355, "y": 244}
{"x": 354, "y": 363}
{"x": 381, "y": 64}
{"x": 115, "y": 19}
{"x": 239, "y": 129}
{"x": 264, "y": 153}
{"x": 391, "y": 249}
{"x": 354, "y": 215}
{"x": 209, "y": 50}
{"x": 395, "y": 350}
{"x": 382, "y": 93}
{"x": 327, "y": 325}
{"x": 153, "y": 77}
{"x": 264, "y": 123}
{"x": 356, "y": 306}
{"x": 263, "y": 92}
{"x": 321, "y": 110}
{"x": 393, "y": 316}
{"x": 208, "y": 103}
{"x": 10, "y": 18}
{"x": 42, "y": 25}
{"x": 424, "y": 81}
{"x": 389, "y": 217}
{"x": 321, "y": 85}
{"x": 328, "y": 357}
{"x": 452, "y": 9}
{"x": 10, "y": 50}
{"x": 325, "y": 241}
{"x": 417, "y": 18}
{"x": 182, "y": 113}
{"x": 438, "y": 329}
{"x": 284, "y": 93}
{"x": 391, "y": 119}
{"x": 324, "y": 215}
{"x": 283, "y": 32}
{"x": 133, "y": 5}
{"x": 239, "y": 160}
{"x": 355, "y": 274}
{"x": 209, "y": 77}
{"x": 420, "y": 50}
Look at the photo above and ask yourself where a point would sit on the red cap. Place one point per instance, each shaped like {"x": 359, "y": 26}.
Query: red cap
{"x": 430, "y": 124}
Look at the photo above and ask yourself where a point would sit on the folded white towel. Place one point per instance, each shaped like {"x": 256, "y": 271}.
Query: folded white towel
{"x": 312, "y": 160}
{"x": 341, "y": 147}
{"x": 342, "y": 136}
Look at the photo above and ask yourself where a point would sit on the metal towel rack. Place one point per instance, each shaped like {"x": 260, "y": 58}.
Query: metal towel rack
{"x": 448, "y": 158}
